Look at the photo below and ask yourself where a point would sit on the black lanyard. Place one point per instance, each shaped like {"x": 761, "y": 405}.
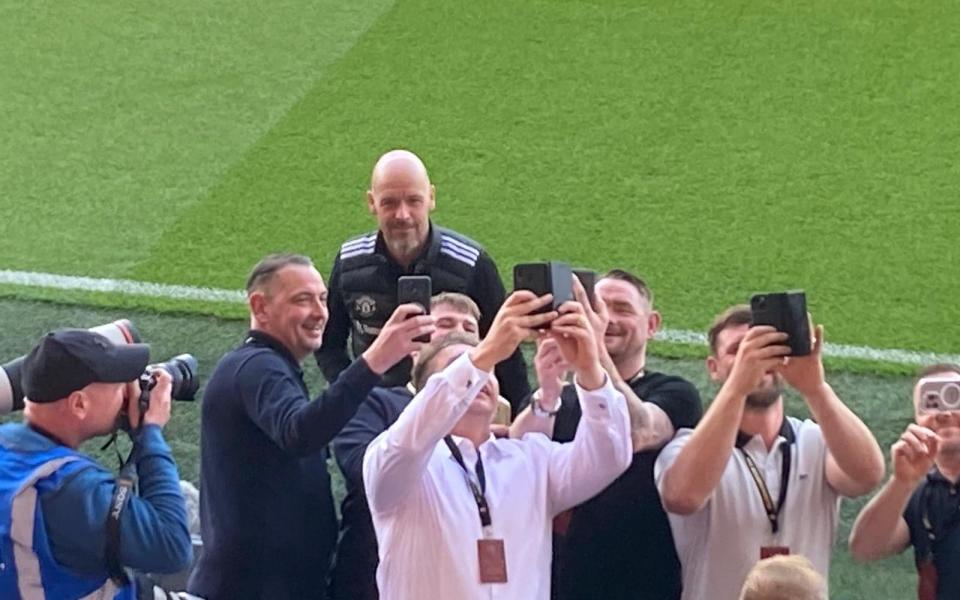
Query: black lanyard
{"x": 478, "y": 491}
{"x": 773, "y": 511}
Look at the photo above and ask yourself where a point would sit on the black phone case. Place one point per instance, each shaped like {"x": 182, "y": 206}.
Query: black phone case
{"x": 787, "y": 312}
{"x": 416, "y": 289}
{"x": 553, "y": 277}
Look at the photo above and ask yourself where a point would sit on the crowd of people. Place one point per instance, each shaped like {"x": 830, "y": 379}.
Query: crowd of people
{"x": 607, "y": 481}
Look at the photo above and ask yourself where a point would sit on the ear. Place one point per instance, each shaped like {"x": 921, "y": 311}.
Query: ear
{"x": 433, "y": 197}
{"x": 653, "y": 323}
{"x": 371, "y": 203}
{"x": 79, "y": 404}
{"x": 258, "y": 306}
{"x": 712, "y": 368}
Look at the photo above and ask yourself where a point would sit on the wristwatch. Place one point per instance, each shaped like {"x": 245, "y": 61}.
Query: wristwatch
{"x": 535, "y": 405}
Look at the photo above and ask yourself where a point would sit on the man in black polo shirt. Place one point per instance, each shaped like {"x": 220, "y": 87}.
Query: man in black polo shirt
{"x": 618, "y": 544}
{"x": 920, "y": 504}
{"x": 267, "y": 516}
{"x": 363, "y": 282}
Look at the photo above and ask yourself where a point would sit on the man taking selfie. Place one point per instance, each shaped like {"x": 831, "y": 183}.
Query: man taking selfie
{"x": 918, "y": 506}
{"x": 750, "y": 482}
{"x": 460, "y": 514}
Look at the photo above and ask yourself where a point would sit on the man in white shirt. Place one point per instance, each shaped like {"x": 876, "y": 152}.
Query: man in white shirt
{"x": 749, "y": 482}
{"x": 460, "y": 514}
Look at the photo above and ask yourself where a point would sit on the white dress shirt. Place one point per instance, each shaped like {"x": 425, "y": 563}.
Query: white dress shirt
{"x": 426, "y": 517}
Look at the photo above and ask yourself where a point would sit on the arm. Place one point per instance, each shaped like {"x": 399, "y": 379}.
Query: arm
{"x": 880, "y": 529}
{"x": 153, "y": 526}
{"x": 551, "y": 369}
{"x": 396, "y": 460}
{"x": 332, "y": 357}
{"x": 349, "y": 446}
{"x": 488, "y": 291}
{"x": 650, "y": 427}
{"x": 854, "y": 463}
{"x": 279, "y": 406}
{"x": 600, "y": 451}
{"x": 689, "y": 482}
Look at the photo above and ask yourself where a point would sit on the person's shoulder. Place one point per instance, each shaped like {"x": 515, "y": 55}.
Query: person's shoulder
{"x": 358, "y": 246}
{"x": 656, "y": 381}
{"x": 460, "y": 247}
{"x": 389, "y": 399}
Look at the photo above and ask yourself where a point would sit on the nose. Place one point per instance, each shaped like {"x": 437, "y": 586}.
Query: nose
{"x": 403, "y": 213}
{"x": 320, "y": 309}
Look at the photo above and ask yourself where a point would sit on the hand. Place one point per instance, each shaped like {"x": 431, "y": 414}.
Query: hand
{"x": 578, "y": 344}
{"x": 805, "y": 373}
{"x": 512, "y": 324}
{"x": 599, "y": 318}
{"x": 551, "y": 368}
{"x": 396, "y": 340}
{"x": 913, "y": 455}
{"x": 158, "y": 412}
{"x": 761, "y": 351}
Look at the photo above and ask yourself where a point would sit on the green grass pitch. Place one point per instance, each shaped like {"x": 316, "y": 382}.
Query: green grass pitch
{"x": 717, "y": 147}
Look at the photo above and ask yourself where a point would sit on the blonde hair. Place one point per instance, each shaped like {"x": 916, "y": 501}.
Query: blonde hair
{"x": 784, "y": 578}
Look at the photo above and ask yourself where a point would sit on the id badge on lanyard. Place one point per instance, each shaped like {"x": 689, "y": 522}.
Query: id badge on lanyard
{"x": 491, "y": 555}
{"x": 773, "y": 510}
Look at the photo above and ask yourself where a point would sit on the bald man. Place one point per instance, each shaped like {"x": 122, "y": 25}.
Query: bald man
{"x": 363, "y": 282}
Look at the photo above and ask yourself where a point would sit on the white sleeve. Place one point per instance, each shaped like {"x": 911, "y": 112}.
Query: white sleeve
{"x": 396, "y": 460}
{"x": 600, "y": 452}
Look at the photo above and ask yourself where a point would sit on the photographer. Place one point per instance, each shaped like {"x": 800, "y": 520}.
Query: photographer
{"x": 749, "y": 481}
{"x": 266, "y": 509}
{"x": 918, "y": 505}
{"x": 55, "y": 501}
{"x": 461, "y": 514}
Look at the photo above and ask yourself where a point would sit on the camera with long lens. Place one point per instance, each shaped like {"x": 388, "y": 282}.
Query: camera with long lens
{"x": 11, "y": 389}
{"x": 185, "y": 383}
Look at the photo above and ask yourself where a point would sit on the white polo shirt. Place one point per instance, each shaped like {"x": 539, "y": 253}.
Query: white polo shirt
{"x": 719, "y": 544}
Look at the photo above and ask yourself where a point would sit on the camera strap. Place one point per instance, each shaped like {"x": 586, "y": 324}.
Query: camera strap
{"x": 125, "y": 485}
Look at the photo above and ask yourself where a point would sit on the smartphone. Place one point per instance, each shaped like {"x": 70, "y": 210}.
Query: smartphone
{"x": 551, "y": 277}
{"x": 787, "y": 312}
{"x": 588, "y": 279}
{"x": 416, "y": 289}
{"x": 939, "y": 393}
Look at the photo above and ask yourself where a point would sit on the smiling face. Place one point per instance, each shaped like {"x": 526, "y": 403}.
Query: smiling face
{"x": 632, "y": 320}
{"x": 292, "y": 308}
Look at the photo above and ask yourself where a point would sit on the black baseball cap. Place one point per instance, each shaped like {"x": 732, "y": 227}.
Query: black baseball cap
{"x": 67, "y": 360}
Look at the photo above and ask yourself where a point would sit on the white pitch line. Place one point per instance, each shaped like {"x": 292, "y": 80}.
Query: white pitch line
{"x": 129, "y": 287}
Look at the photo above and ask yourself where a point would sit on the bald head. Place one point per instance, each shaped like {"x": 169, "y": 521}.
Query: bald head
{"x": 397, "y": 165}
{"x": 401, "y": 198}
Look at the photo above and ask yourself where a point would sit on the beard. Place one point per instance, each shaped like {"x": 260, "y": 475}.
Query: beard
{"x": 766, "y": 396}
